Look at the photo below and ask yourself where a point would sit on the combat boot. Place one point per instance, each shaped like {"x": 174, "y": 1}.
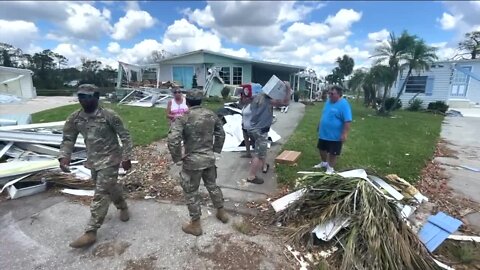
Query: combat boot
{"x": 222, "y": 215}
{"x": 124, "y": 215}
{"x": 85, "y": 240}
{"x": 193, "y": 227}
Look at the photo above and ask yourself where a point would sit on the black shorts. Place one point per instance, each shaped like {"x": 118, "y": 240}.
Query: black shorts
{"x": 331, "y": 147}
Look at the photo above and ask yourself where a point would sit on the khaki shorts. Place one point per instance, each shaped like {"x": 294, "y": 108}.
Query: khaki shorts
{"x": 261, "y": 142}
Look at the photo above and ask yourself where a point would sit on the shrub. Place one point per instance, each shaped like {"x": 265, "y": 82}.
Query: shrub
{"x": 225, "y": 92}
{"x": 439, "y": 106}
{"x": 415, "y": 105}
{"x": 391, "y": 105}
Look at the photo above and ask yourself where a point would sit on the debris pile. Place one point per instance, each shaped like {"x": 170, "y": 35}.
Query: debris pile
{"x": 368, "y": 219}
{"x": 147, "y": 97}
{"x": 29, "y": 149}
{"x": 149, "y": 178}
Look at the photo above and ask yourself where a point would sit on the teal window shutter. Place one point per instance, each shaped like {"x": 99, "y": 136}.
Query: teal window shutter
{"x": 429, "y": 86}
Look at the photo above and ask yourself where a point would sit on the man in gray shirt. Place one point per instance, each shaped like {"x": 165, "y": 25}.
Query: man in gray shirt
{"x": 260, "y": 123}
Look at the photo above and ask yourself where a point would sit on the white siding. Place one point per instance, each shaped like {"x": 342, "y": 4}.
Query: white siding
{"x": 441, "y": 85}
{"x": 473, "y": 90}
{"x": 22, "y": 87}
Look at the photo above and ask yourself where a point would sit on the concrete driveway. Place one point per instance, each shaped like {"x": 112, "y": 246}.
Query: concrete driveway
{"x": 37, "y": 104}
{"x": 462, "y": 134}
{"x": 233, "y": 170}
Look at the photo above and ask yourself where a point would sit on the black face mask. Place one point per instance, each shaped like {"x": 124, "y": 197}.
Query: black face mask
{"x": 89, "y": 103}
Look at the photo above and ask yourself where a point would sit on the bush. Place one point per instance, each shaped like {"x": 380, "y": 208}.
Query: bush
{"x": 390, "y": 104}
{"x": 225, "y": 92}
{"x": 415, "y": 105}
{"x": 439, "y": 106}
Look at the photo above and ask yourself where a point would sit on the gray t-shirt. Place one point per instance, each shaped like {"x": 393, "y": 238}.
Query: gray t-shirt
{"x": 246, "y": 117}
{"x": 262, "y": 112}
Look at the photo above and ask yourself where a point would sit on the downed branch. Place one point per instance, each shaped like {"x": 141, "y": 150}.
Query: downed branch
{"x": 377, "y": 237}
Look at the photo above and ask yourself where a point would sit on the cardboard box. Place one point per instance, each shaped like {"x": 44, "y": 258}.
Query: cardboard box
{"x": 275, "y": 88}
{"x": 288, "y": 157}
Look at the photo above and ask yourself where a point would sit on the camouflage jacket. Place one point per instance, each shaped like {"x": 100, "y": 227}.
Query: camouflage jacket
{"x": 99, "y": 131}
{"x": 197, "y": 129}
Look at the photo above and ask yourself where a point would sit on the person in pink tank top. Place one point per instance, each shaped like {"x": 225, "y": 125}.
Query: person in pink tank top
{"x": 177, "y": 106}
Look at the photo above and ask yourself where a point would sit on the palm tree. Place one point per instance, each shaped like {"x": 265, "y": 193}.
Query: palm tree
{"x": 356, "y": 82}
{"x": 393, "y": 52}
{"x": 380, "y": 76}
{"x": 419, "y": 58}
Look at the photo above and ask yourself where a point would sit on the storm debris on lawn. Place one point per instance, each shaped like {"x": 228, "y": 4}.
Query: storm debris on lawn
{"x": 150, "y": 177}
{"x": 377, "y": 236}
{"x": 434, "y": 184}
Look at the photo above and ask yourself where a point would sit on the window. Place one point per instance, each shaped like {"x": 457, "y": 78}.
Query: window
{"x": 416, "y": 84}
{"x": 460, "y": 82}
{"x": 225, "y": 74}
{"x": 237, "y": 76}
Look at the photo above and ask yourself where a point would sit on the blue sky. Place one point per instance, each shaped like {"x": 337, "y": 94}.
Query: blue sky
{"x": 305, "y": 33}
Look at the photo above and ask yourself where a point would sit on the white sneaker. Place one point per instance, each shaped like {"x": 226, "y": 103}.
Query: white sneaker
{"x": 330, "y": 170}
{"x": 321, "y": 165}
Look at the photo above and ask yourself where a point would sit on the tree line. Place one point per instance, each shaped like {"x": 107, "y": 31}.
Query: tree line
{"x": 51, "y": 69}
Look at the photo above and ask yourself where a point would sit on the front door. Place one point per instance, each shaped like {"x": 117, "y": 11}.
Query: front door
{"x": 183, "y": 75}
{"x": 460, "y": 83}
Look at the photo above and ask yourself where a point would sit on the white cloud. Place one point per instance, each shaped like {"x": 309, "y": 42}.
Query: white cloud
{"x": 18, "y": 33}
{"x": 113, "y": 47}
{"x": 33, "y": 10}
{"x": 86, "y": 22}
{"x": 448, "y": 21}
{"x": 255, "y": 23}
{"x": 74, "y": 53}
{"x": 132, "y": 24}
{"x": 379, "y": 36}
{"x": 462, "y": 16}
{"x": 444, "y": 52}
{"x": 317, "y": 44}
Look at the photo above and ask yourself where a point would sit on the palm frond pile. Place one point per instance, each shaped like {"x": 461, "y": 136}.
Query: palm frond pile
{"x": 376, "y": 238}
{"x": 64, "y": 180}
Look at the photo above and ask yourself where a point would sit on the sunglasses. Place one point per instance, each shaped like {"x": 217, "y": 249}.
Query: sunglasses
{"x": 177, "y": 92}
{"x": 85, "y": 96}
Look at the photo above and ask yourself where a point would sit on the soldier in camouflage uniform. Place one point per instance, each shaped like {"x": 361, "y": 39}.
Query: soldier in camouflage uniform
{"x": 202, "y": 133}
{"x": 99, "y": 128}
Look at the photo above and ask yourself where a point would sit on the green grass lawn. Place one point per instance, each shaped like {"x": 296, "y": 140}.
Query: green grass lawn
{"x": 146, "y": 125}
{"x": 401, "y": 145}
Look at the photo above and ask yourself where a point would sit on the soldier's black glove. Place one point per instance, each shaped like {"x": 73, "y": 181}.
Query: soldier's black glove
{"x": 64, "y": 164}
{"x": 126, "y": 165}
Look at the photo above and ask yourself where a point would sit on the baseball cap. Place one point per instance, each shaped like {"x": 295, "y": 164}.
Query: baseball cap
{"x": 87, "y": 89}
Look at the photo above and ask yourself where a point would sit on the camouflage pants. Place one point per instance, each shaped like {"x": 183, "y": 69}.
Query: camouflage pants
{"x": 190, "y": 182}
{"x": 107, "y": 189}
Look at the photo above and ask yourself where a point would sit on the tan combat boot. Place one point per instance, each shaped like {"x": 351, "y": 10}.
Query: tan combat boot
{"x": 222, "y": 215}
{"x": 85, "y": 240}
{"x": 193, "y": 227}
{"x": 124, "y": 215}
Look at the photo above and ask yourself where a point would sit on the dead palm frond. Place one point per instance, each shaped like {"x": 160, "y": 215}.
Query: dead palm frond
{"x": 64, "y": 179}
{"x": 377, "y": 237}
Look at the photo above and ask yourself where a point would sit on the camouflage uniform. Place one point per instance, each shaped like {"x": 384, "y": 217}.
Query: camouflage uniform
{"x": 104, "y": 155}
{"x": 197, "y": 129}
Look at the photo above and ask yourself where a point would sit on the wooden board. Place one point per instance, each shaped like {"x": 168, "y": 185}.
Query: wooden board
{"x": 288, "y": 157}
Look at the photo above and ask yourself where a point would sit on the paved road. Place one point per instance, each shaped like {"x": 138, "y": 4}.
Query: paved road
{"x": 462, "y": 134}
{"x": 35, "y": 232}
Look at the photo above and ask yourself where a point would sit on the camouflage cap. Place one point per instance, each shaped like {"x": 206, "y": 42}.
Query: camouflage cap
{"x": 195, "y": 94}
{"x": 87, "y": 89}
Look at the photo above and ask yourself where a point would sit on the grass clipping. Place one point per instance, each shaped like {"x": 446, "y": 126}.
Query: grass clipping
{"x": 376, "y": 238}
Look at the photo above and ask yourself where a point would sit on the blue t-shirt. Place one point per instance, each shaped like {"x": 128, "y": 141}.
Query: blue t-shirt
{"x": 334, "y": 115}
